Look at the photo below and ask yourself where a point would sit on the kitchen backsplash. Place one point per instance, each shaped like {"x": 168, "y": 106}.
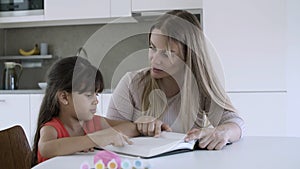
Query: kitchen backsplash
{"x": 64, "y": 41}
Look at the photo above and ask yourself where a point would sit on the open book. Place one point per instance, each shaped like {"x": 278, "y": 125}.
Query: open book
{"x": 149, "y": 147}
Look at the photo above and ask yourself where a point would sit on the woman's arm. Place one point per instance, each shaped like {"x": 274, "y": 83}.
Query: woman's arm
{"x": 121, "y": 106}
{"x": 145, "y": 125}
{"x": 215, "y": 138}
{"x": 121, "y": 109}
{"x": 227, "y": 129}
{"x": 150, "y": 126}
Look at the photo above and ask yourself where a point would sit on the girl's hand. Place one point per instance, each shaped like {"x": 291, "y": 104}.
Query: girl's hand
{"x": 88, "y": 150}
{"x": 149, "y": 126}
{"x": 210, "y": 138}
{"x": 109, "y": 136}
{"x": 119, "y": 139}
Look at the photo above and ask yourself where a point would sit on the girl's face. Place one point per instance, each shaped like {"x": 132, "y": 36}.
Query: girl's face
{"x": 164, "y": 61}
{"x": 85, "y": 105}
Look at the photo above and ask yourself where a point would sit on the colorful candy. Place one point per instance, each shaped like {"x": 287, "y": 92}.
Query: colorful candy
{"x": 85, "y": 165}
{"x": 107, "y": 157}
{"x": 99, "y": 165}
{"x": 108, "y": 160}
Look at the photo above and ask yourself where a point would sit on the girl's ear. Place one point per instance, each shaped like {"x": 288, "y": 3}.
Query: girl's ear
{"x": 63, "y": 97}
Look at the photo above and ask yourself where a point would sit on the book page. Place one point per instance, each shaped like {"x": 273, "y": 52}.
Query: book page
{"x": 152, "y": 146}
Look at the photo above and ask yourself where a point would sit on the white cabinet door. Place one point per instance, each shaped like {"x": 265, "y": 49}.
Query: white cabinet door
{"x": 157, "y": 5}
{"x": 105, "y": 102}
{"x": 120, "y": 8}
{"x": 14, "y": 110}
{"x": 76, "y": 9}
{"x": 102, "y": 106}
{"x": 264, "y": 113}
{"x": 249, "y": 37}
{"x": 99, "y": 106}
{"x": 35, "y": 103}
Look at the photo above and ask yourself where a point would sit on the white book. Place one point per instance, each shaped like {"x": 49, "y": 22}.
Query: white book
{"x": 147, "y": 147}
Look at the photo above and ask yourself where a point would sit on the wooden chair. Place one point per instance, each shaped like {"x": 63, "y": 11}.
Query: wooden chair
{"x": 15, "y": 152}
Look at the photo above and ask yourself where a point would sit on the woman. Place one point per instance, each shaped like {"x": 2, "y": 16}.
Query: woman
{"x": 180, "y": 91}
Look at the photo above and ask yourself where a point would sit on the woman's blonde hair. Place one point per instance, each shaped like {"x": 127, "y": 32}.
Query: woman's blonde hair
{"x": 201, "y": 87}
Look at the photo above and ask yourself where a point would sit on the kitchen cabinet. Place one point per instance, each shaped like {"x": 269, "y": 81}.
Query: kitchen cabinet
{"x": 76, "y": 9}
{"x": 82, "y": 9}
{"x": 158, "y": 5}
{"x": 120, "y": 8}
{"x": 102, "y": 106}
{"x": 76, "y": 12}
{"x": 22, "y": 109}
{"x": 264, "y": 113}
{"x": 35, "y": 103}
{"x": 14, "y": 110}
{"x": 79, "y": 12}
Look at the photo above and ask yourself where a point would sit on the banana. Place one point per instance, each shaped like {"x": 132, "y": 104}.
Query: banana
{"x": 34, "y": 51}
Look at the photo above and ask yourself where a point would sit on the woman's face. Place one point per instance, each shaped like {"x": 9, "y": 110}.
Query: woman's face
{"x": 164, "y": 61}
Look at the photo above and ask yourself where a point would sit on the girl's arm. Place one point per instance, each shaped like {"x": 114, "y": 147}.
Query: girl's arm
{"x": 126, "y": 127}
{"x": 49, "y": 146}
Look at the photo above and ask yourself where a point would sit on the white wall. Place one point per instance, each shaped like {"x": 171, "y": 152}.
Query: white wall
{"x": 249, "y": 36}
{"x": 258, "y": 44}
{"x": 293, "y": 69}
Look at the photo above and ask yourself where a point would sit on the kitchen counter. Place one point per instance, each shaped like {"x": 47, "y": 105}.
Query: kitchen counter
{"x": 23, "y": 91}
{"x": 37, "y": 91}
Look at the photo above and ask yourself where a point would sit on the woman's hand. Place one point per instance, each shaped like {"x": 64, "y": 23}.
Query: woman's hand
{"x": 109, "y": 136}
{"x": 150, "y": 126}
{"x": 210, "y": 138}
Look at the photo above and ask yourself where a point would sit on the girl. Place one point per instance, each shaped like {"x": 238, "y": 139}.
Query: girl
{"x": 180, "y": 89}
{"x": 66, "y": 122}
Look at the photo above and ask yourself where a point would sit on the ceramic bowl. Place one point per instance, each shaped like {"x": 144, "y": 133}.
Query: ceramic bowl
{"x": 42, "y": 85}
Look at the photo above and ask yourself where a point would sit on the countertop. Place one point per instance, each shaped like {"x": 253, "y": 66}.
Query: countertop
{"x": 37, "y": 91}
{"x": 23, "y": 91}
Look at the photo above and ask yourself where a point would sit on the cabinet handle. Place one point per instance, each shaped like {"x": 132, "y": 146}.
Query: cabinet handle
{"x": 2, "y": 101}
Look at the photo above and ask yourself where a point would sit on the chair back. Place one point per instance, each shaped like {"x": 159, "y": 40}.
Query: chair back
{"x": 15, "y": 152}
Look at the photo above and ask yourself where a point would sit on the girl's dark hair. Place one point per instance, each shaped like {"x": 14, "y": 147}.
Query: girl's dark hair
{"x": 70, "y": 74}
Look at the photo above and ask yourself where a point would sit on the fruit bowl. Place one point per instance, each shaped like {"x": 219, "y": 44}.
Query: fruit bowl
{"x": 42, "y": 85}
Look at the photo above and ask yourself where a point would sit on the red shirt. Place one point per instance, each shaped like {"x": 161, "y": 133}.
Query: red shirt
{"x": 88, "y": 127}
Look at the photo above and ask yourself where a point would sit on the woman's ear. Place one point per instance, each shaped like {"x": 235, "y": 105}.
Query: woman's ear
{"x": 63, "y": 97}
